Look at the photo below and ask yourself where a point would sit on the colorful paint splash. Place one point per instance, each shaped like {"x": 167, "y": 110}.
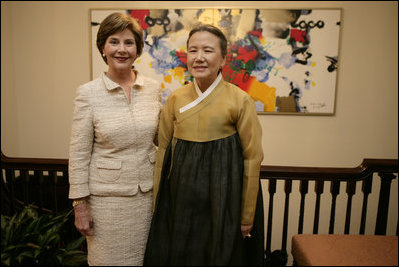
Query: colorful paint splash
{"x": 284, "y": 59}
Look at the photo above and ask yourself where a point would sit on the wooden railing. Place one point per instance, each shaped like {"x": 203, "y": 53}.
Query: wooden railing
{"x": 44, "y": 183}
{"x": 364, "y": 173}
{"x": 41, "y": 182}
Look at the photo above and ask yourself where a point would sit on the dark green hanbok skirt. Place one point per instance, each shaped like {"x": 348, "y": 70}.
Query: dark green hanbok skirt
{"x": 197, "y": 218}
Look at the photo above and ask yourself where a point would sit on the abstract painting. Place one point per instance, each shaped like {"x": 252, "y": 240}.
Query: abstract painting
{"x": 285, "y": 59}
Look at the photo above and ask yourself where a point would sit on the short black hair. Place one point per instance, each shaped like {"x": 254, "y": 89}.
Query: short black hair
{"x": 215, "y": 31}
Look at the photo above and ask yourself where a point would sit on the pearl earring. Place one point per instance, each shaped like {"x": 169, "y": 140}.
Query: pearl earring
{"x": 103, "y": 55}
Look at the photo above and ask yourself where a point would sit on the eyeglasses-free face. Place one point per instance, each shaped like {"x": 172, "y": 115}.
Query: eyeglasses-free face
{"x": 121, "y": 50}
{"x": 204, "y": 58}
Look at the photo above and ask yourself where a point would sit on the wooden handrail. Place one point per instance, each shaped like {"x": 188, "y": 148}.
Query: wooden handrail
{"x": 327, "y": 173}
{"x": 33, "y": 163}
{"x": 333, "y": 174}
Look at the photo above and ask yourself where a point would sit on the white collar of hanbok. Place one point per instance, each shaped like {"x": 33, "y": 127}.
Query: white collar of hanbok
{"x": 201, "y": 95}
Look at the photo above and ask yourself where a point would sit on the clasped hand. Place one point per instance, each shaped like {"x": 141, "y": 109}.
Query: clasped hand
{"x": 83, "y": 220}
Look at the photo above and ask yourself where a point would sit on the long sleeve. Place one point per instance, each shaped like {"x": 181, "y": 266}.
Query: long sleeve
{"x": 81, "y": 146}
{"x": 165, "y": 134}
{"x": 250, "y": 133}
{"x": 225, "y": 111}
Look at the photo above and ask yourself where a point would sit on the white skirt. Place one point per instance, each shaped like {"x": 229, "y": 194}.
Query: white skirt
{"x": 121, "y": 226}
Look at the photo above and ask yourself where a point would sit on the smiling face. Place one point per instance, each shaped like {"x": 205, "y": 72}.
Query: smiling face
{"x": 204, "y": 58}
{"x": 120, "y": 50}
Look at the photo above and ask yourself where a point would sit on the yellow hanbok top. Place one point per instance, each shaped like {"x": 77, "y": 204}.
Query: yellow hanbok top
{"x": 224, "y": 112}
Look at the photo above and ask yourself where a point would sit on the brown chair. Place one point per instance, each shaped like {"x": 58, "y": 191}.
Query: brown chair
{"x": 344, "y": 250}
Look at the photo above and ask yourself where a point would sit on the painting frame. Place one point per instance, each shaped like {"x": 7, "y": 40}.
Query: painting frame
{"x": 300, "y": 81}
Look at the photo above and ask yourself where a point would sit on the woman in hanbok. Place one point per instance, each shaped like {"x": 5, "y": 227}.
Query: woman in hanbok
{"x": 208, "y": 207}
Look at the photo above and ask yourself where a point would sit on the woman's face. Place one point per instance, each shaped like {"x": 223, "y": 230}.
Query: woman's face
{"x": 204, "y": 56}
{"x": 120, "y": 50}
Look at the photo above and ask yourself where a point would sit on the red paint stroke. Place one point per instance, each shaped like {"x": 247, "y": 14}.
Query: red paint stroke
{"x": 182, "y": 56}
{"x": 241, "y": 79}
{"x": 256, "y": 33}
{"x": 298, "y": 35}
{"x": 140, "y": 15}
{"x": 246, "y": 53}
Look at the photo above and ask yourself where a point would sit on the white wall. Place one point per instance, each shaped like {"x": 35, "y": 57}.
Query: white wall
{"x": 45, "y": 55}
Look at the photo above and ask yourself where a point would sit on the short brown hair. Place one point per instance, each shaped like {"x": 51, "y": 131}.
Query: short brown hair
{"x": 117, "y": 22}
{"x": 215, "y": 31}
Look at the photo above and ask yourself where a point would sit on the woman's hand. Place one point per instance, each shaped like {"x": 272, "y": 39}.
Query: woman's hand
{"x": 83, "y": 219}
{"x": 245, "y": 229}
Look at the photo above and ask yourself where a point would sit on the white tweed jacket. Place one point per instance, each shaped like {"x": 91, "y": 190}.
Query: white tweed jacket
{"x": 112, "y": 152}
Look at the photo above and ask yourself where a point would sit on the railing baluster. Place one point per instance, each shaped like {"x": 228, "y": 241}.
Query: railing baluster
{"x": 24, "y": 176}
{"x": 335, "y": 185}
{"x": 10, "y": 176}
{"x": 319, "y": 188}
{"x": 4, "y": 193}
{"x": 39, "y": 177}
{"x": 65, "y": 180}
{"x": 54, "y": 179}
{"x": 287, "y": 191}
{"x": 383, "y": 203}
{"x": 272, "y": 191}
{"x": 350, "y": 191}
{"x": 65, "y": 175}
{"x": 366, "y": 189}
{"x": 303, "y": 187}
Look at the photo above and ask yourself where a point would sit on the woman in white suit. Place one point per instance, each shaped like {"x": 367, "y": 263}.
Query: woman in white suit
{"x": 112, "y": 150}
